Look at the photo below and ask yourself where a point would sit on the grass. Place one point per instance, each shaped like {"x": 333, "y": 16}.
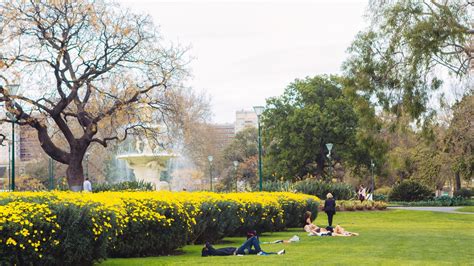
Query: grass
{"x": 466, "y": 209}
{"x": 395, "y": 237}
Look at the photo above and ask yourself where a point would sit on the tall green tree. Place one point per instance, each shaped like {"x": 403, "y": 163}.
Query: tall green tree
{"x": 460, "y": 139}
{"x": 396, "y": 58}
{"x": 298, "y": 124}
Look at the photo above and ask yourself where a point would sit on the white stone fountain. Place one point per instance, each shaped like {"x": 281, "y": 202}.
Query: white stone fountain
{"x": 148, "y": 165}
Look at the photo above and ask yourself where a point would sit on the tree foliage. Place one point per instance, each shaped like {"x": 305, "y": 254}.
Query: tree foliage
{"x": 409, "y": 190}
{"x": 460, "y": 139}
{"x": 242, "y": 149}
{"x": 90, "y": 71}
{"x": 397, "y": 57}
{"x": 298, "y": 125}
{"x": 243, "y": 146}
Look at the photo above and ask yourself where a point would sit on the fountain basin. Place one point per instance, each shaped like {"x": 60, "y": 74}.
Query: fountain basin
{"x": 148, "y": 167}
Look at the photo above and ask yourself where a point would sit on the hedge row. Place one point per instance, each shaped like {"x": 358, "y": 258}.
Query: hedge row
{"x": 82, "y": 228}
{"x": 356, "y": 205}
{"x": 438, "y": 201}
{"x": 311, "y": 186}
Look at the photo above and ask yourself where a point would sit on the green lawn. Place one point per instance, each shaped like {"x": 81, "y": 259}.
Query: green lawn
{"x": 466, "y": 209}
{"x": 395, "y": 237}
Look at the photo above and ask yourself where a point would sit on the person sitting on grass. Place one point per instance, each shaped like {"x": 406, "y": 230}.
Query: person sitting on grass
{"x": 312, "y": 228}
{"x": 315, "y": 230}
{"x": 250, "y": 246}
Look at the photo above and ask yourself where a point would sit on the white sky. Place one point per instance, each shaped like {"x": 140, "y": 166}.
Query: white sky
{"x": 247, "y": 51}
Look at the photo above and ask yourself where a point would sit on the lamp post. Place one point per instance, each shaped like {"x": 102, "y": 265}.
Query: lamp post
{"x": 236, "y": 163}
{"x": 9, "y": 167}
{"x": 329, "y": 147}
{"x": 372, "y": 164}
{"x": 13, "y": 154}
{"x": 87, "y": 165}
{"x": 259, "y": 110}
{"x": 13, "y": 89}
{"x": 51, "y": 174}
{"x": 210, "y": 158}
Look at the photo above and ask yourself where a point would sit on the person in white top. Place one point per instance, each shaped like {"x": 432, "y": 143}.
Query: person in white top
{"x": 87, "y": 185}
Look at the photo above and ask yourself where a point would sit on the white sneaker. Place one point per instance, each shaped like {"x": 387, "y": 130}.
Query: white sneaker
{"x": 281, "y": 252}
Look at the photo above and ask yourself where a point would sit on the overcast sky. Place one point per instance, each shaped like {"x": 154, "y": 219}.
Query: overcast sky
{"x": 247, "y": 51}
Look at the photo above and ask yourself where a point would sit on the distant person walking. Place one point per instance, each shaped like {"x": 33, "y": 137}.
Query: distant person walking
{"x": 87, "y": 185}
{"x": 362, "y": 193}
{"x": 330, "y": 207}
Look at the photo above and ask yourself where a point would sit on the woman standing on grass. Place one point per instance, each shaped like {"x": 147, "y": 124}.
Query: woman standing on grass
{"x": 330, "y": 207}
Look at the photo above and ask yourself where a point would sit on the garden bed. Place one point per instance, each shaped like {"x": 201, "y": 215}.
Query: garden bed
{"x": 65, "y": 228}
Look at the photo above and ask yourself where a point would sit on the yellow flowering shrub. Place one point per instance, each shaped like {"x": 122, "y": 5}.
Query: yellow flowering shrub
{"x": 80, "y": 228}
{"x": 27, "y": 231}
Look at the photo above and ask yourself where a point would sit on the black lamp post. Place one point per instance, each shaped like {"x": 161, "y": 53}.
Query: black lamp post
{"x": 236, "y": 164}
{"x": 259, "y": 110}
{"x": 51, "y": 173}
{"x": 87, "y": 165}
{"x": 372, "y": 164}
{"x": 329, "y": 147}
{"x": 210, "y": 158}
{"x": 12, "y": 90}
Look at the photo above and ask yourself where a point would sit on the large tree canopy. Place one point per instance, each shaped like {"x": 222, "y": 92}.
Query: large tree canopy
{"x": 397, "y": 58}
{"x": 460, "y": 139}
{"x": 298, "y": 124}
{"x": 90, "y": 71}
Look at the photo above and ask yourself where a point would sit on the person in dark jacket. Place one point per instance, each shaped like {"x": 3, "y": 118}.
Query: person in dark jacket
{"x": 330, "y": 207}
{"x": 250, "y": 246}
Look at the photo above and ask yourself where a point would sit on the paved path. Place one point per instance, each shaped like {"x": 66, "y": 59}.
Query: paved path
{"x": 433, "y": 209}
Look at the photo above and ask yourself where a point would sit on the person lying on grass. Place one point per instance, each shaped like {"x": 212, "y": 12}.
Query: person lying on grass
{"x": 294, "y": 238}
{"x": 339, "y": 231}
{"x": 250, "y": 246}
{"x": 314, "y": 230}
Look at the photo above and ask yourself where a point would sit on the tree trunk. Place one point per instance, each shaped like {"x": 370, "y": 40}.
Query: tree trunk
{"x": 457, "y": 178}
{"x": 75, "y": 174}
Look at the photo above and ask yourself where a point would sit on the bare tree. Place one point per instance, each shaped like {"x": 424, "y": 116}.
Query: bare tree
{"x": 90, "y": 71}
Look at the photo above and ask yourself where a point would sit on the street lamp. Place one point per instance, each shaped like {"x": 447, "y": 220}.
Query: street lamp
{"x": 259, "y": 110}
{"x": 13, "y": 89}
{"x": 329, "y": 147}
{"x": 51, "y": 174}
{"x": 236, "y": 163}
{"x": 87, "y": 165}
{"x": 372, "y": 164}
{"x": 9, "y": 166}
{"x": 210, "y": 158}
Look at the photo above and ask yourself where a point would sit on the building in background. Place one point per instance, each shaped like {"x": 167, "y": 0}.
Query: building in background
{"x": 224, "y": 133}
{"x": 27, "y": 149}
{"x": 245, "y": 119}
{"x": 30, "y": 148}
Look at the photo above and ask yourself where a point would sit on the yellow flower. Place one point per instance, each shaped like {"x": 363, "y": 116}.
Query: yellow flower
{"x": 11, "y": 241}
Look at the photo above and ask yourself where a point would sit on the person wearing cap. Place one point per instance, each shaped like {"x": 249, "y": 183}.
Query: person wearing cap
{"x": 330, "y": 207}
